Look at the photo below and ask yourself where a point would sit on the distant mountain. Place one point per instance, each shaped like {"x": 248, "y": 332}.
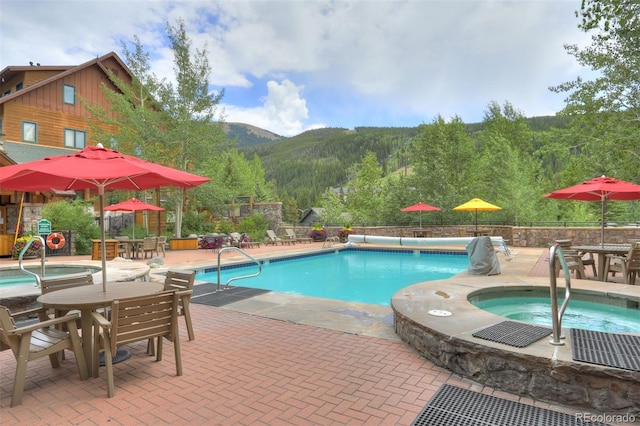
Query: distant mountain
{"x": 248, "y": 135}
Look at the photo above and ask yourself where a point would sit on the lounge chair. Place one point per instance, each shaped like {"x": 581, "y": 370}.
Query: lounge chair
{"x": 291, "y": 235}
{"x": 29, "y": 342}
{"x": 273, "y": 239}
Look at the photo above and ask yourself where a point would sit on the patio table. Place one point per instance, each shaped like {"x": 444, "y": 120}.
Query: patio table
{"x": 89, "y": 298}
{"x": 602, "y": 251}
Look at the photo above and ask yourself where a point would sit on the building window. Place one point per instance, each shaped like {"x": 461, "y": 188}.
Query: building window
{"x": 19, "y": 86}
{"x": 74, "y": 138}
{"x": 7, "y": 92}
{"x": 68, "y": 94}
{"x": 29, "y": 131}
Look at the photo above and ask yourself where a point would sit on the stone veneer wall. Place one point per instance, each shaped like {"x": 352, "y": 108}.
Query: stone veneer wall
{"x": 580, "y": 385}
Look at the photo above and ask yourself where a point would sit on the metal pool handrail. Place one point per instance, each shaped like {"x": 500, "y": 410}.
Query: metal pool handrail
{"x": 42, "y": 256}
{"x": 555, "y": 252}
{"x": 243, "y": 276}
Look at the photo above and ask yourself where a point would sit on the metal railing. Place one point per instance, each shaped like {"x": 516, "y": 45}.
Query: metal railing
{"x": 555, "y": 253}
{"x": 242, "y": 277}
{"x": 42, "y": 258}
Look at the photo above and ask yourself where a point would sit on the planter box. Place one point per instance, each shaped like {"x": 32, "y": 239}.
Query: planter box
{"x": 111, "y": 249}
{"x": 183, "y": 244}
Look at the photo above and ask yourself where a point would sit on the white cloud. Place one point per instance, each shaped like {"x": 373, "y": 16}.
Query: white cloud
{"x": 283, "y": 110}
{"x": 390, "y": 61}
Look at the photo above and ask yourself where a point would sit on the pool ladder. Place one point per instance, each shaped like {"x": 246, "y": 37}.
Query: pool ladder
{"x": 42, "y": 256}
{"x": 555, "y": 254}
{"x": 240, "y": 277}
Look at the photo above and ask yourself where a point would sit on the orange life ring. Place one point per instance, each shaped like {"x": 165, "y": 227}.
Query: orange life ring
{"x": 55, "y": 241}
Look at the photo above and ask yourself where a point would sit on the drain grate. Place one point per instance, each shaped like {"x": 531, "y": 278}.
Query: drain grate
{"x": 610, "y": 349}
{"x": 452, "y": 405}
{"x": 513, "y": 333}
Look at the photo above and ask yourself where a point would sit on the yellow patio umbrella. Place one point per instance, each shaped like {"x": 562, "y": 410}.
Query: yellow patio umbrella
{"x": 476, "y": 205}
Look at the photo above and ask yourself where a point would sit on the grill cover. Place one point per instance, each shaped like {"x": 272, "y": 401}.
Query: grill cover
{"x": 482, "y": 257}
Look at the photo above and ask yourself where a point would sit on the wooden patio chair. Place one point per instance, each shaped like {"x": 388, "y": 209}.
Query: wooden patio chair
{"x": 124, "y": 246}
{"x": 162, "y": 243}
{"x": 149, "y": 245}
{"x": 38, "y": 340}
{"x": 61, "y": 282}
{"x": 273, "y": 239}
{"x": 183, "y": 283}
{"x": 291, "y": 235}
{"x": 135, "y": 319}
{"x": 628, "y": 265}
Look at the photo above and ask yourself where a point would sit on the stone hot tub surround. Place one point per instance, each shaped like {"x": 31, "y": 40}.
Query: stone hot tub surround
{"x": 541, "y": 371}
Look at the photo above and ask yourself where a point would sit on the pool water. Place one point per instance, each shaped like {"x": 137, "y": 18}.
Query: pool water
{"x": 15, "y": 277}
{"x": 362, "y": 276}
{"x": 581, "y": 314}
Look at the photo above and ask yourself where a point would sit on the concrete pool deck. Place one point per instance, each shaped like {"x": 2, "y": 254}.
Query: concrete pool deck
{"x": 271, "y": 359}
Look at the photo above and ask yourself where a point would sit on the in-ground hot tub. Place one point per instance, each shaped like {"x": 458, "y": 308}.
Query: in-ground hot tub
{"x": 586, "y": 310}
{"x": 541, "y": 371}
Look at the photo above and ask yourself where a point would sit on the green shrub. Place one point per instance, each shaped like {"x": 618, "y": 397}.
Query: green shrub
{"x": 255, "y": 226}
{"x": 75, "y": 216}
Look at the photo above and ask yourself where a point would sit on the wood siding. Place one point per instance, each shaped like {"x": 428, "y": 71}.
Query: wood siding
{"x": 44, "y": 106}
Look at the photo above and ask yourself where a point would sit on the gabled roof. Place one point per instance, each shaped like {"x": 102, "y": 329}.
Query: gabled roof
{"x": 65, "y": 71}
{"x": 24, "y": 152}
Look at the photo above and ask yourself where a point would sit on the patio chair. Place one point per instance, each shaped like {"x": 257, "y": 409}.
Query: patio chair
{"x": 149, "y": 245}
{"x": 574, "y": 263}
{"x": 162, "y": 243}
{"x": 123, "y": 246}
{"x": 182, "y": 282}
{"x": 33, "y": 341}
{"x": 61, "y": 282}
{"x": 235, "y": 239}
{"x": 628, "y": 265}
{"x": 136, "y": 319}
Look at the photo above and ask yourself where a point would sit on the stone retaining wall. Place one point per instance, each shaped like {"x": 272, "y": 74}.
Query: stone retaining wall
{"x": 515, "y": 236}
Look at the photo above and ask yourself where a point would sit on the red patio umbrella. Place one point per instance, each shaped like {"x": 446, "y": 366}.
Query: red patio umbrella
{"x": 95, "y": 167}
{"x": 420, "y": 207}
{"x": 599, "y": 189}
{"x": 133, "y": 205}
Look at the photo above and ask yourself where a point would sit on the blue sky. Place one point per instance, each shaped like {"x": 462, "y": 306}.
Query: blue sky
{"x": 290, "y": 66}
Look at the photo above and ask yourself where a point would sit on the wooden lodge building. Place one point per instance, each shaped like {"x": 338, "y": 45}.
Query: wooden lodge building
{"x": 42, "y": 115}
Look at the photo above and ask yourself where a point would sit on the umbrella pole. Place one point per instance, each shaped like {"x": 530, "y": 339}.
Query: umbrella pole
{"x": 602, "y": 222}
{"x": 103, "y": 245}
{"x": 476, "y": 221}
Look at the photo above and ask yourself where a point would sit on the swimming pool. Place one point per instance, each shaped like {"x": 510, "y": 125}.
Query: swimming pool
{"x": 587, "y": 312}
{"x": 354, "y": 275}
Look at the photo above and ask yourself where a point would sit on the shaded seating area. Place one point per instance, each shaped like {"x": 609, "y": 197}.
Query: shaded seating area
{"x": 33, "y": 341}
{"x": 134, "y": 319}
